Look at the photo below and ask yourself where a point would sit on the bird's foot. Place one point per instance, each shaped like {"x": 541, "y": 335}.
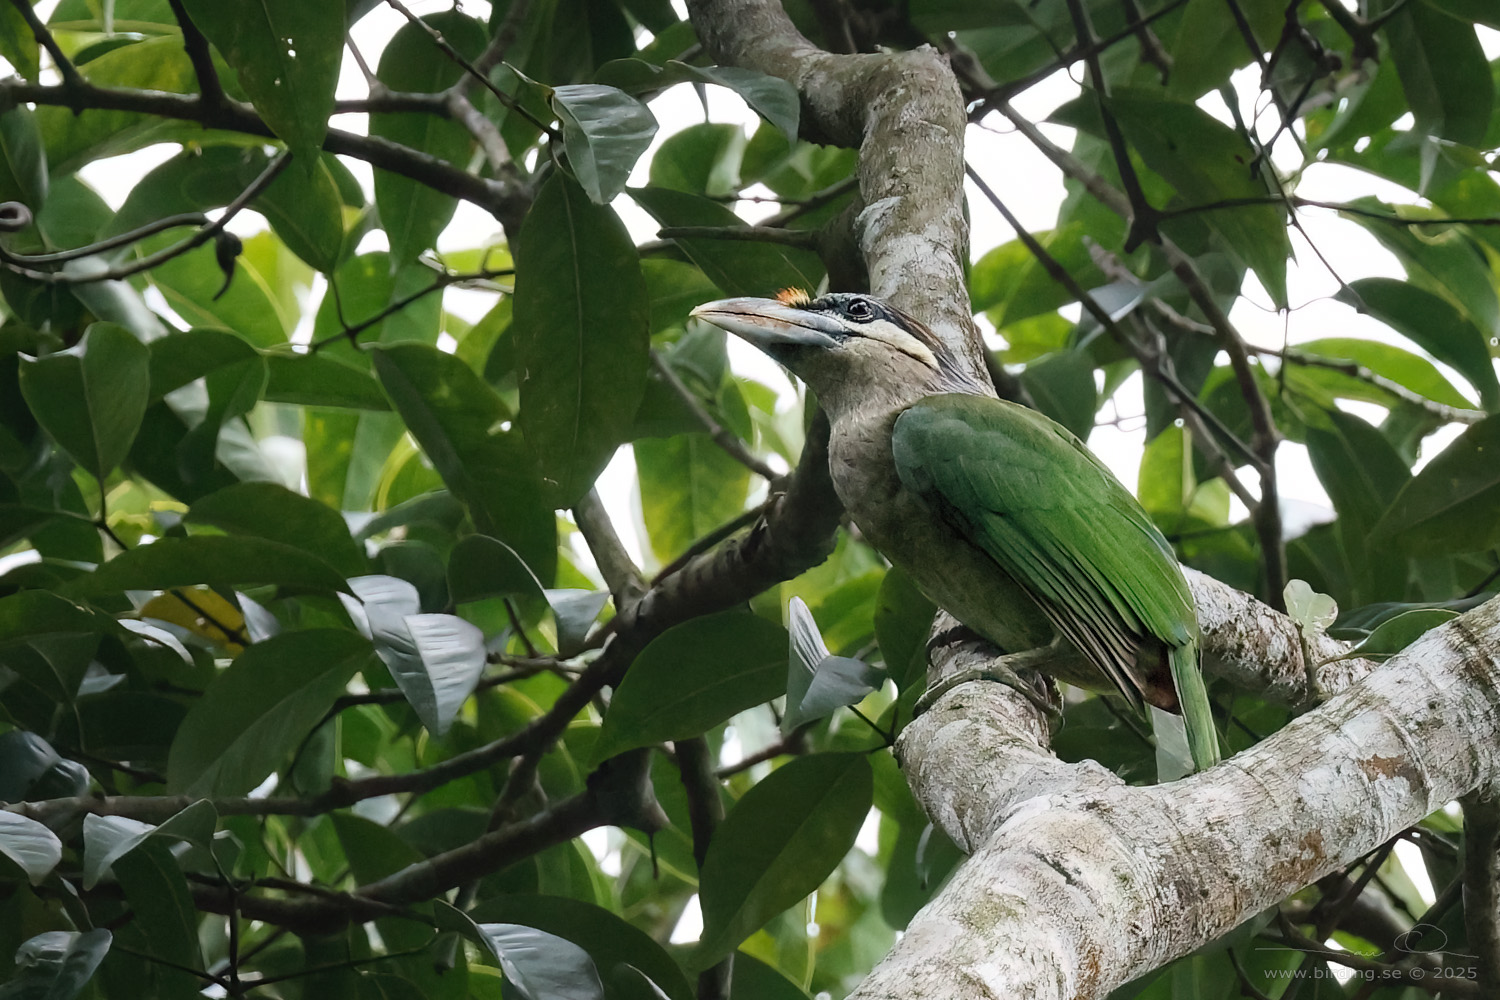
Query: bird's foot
{"x": 1004, "y": 670}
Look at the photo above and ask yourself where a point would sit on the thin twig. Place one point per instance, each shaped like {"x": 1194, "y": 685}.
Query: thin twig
{"x": 722, "y": 436}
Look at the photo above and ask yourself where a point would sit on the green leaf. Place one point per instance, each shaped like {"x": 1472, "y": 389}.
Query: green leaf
{"x": 1209, "y": 46}
{"x": 1443, "y": 70}
{"x": 688, "y": 486}
{"x": 480, "y": 567}
{"x": 737, "y": 267}
{"x": 305, "y": 210}
{"x": 605, "y": 131}
{"x": 315, "y": 380}
{"x": 56, "y": 965}
{"x": 1387, "y": 360}
{"x": 1431, "y": 322}
{"x": 778, "y": 844}
{"x": 1062, "y": 385}
{"x": 411, "y": 213}
{"x": 166, "y": 921}
{"x": 91, "y": 397}
{"x": 1395, "y": 634}
{"x": 753, "y": 978}
{"x": 18, "y": 44}
{"x": 1453, "y": 504}
{"x": 23, "y": 162}
{"x": 32, "y": 613}
{"x": 608, "y": 939}
{"x": 435, "y": 659}
{"x": 213, "y": 560}
{"x": 581, "y": 333}
{"x": 1009, "y": 284}
{"x": 286, "y": 54}
{"x": 191, "y": 283}
{"x": 456, "y": 418}
{"x": 271, "y": 511}
{"x": 817, "y": 682}
{"x": 1362, "y": 474}
{"x": 702, "y": 159}
{"x": 33, "y": 847}
{"x": 773, "y": 98}
{"x": 903, "y": 619}
{"x": 1313, "y": 612}
{"x": 259, "y": 710}
{"x": 542, "y": 966}
{"x": 693, "y": 677}
{"x": 109, "y": 838}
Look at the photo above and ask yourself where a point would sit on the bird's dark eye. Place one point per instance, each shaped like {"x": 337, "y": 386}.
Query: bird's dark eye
{"x": 860, "y": 310}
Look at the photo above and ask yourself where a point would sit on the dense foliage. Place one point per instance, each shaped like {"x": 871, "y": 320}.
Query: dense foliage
{"x": 316, "y": 664}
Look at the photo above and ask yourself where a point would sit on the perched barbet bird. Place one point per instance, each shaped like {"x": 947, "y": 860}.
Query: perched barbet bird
{"x": 999, "y": 514}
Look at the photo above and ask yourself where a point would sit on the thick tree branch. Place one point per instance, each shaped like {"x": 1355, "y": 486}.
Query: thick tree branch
{"x": 1079, "y": 883}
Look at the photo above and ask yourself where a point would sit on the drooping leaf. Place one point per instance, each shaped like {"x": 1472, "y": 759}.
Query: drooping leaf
{"x": 1443, "y": 70}
{"x": 480, "y": 567}
{"x": 108, "y": 838}
{"x": 456, "y": 419}
{"x": 267, "y": 510}
{"x": 413, "y": 214}
{"x": 542, "y": 966}
{"x": 1453, "y": 503}
{"x": 688, "y": 486}
{"x": 693, "y": 677}
{"x": 91, "y": 397}
{"x": 581, "y": 335}
{"x": 286, "y": 54}
{"x": 218, "y": 561}
{"x": 23, "y": 161}
{"x": 773, "y": 98}
{"x": 1395, "y": 634}
{"x": 778, "y": 844}
{"x": 435, "y": 659}
{"x": 605, "y": 131}
{"x": 737, "y": 267}
{"x": 257, "y": 712}
{"x": 817, "y": 681}
{"x": 18, "y": 44}
{"x": 903, "y": 616}
{"x": 33, "y": 847}
{"x": 305, "y": 210}
{"x": 56, "y": 965}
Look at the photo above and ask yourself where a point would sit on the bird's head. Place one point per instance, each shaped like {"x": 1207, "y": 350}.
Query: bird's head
{"x": 841, "y": 340}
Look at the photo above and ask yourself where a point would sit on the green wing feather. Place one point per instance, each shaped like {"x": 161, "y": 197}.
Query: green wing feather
{"x": 1032, "y": 497}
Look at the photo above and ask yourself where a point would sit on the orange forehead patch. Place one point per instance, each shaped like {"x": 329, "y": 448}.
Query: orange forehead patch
{"x": 794, "y": 297}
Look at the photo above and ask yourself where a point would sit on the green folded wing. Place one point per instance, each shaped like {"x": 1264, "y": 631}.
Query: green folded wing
{"x": 1038, "y": 502}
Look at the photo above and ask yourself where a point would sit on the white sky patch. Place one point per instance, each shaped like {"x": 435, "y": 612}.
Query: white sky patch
{"x": 1410, "y": 856}
{"x": 690, "y": 925}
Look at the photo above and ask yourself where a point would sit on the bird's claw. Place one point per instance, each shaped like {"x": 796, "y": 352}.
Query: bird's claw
{"x": 997, "y": 671}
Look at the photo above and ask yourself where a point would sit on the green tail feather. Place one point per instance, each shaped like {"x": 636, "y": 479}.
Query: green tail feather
{"x": 1197, "y": 712}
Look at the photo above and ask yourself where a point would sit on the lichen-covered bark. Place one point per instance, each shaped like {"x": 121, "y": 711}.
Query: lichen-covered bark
{"x": 1078, "y": 882}
{"x": 905, "y": 114}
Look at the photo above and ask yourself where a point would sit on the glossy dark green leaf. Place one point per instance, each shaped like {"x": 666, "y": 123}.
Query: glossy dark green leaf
{"x": 91, "y": 397}
{"x": 754, "y": 978}
{"x": 1443, "y": 70}
{"x": 109, "y": 838}
{"x": 1209, "y": 46}
{"x": 1207, "y": 162}
{"x": 689, "y": 486}
{"x": 153, "y": 64}
{"x": 32, "y": 613}
{"x": 315, "y": 380}
{"x": 1386, "y": 360}
{"x": 605, "y": 131}
{"x": 413, "y": 214}
{"x": 435, "y": 659}
{"x": 693, "y": 677}
{"x": 1362, "y": 474}
{"x": 1063, "y": 387}
{"x": 456, "y": 419}
{"x": 259, "y": 710}
{"x": 34, "y": 848}
{"x": 166, "y": 921}
{"x": 1395, "y": 634}
{"x": 1009, "y": 284}
{"x": 581, "y": 334}
{"x": 214, "y": 560}
{"x": 18, "y": 44}
{"x": 903, "y": 618}
{"x": 608, "y": 939}
{"x": 542, "y": 966}
{"x": 23, "y": 162}
{"x": 701, "y": 159}
{"x": 305, "y": 210}
{"x": 778, "y": 844}
{"x": 195, "y": 180}
{"x": 180, "y": 358}
{"x": 191, "y": 283}
{"x": 57, "y": 965}
{"x": 817, "y": 681}
{"x": 286, "y": 54}
{"x": 1433, "y": 323}
{"x": 737, "y": 267}
{"x": 1453, "y": 504}
{"x": 271, "y": 511}
{"x": 773, "y": 98}
{"x": 480, "y": 567}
